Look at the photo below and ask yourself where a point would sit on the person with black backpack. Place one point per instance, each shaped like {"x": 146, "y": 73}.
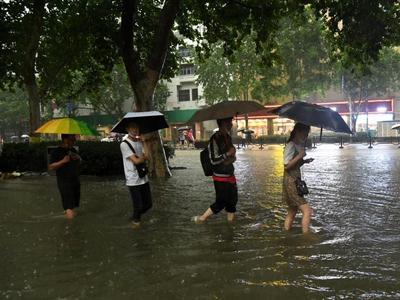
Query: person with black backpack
{"x": 222, "y": 154}
{"x": 134, "y": 159}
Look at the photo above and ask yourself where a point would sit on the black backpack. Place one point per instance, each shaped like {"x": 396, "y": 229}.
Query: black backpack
{"x": 206, "y": 162}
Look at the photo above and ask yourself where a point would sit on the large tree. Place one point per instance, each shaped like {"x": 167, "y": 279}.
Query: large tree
{"x": 108, "y": 97}
{"x": 44, "y": 43}
{"x": 359, "y": 29}
{"x": 381, "y": 78}
{"x": 147, "y": 35}
{"x": 214, "y": 73}
{"x": 302, "y": 66}
{"x": 148, "y": 43}
{"x": 229, "y": 77}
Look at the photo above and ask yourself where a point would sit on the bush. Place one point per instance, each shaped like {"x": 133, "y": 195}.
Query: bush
{"x": 98, "y": 158}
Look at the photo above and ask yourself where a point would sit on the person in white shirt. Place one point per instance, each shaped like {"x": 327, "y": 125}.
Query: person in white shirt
{"x": 293, "y": 160}
{"x": 134, "y": 156}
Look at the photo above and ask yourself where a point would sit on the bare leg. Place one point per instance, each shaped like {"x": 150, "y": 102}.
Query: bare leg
{"x": 291, "y": 213}
{"x": 69, "y": 214}
{"x": 230, "y": 216}
{"x": 305, "y": 221}
{"x": 205, "y": 215}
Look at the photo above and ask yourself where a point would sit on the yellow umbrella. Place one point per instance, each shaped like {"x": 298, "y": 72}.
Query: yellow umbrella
{"x": 66, "y": 126}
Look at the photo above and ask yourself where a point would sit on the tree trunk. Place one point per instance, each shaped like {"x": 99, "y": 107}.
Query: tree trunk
{"x": 34, "y": 107}
{"x": 158, "y": 165}
{"x": 143, "y": 80}
{"x": 34, "y": 21}
{"x": 246, "y": 116}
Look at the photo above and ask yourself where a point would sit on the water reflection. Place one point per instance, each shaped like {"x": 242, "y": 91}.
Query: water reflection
{"x": 354, "y": 193}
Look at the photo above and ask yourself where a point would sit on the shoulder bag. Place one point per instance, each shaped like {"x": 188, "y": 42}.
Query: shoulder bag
{"x": 141, "y": 168}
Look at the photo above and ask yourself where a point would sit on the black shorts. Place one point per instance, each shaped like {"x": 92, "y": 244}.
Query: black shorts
{"x": 226, "y": 196}
{"x": 70, "y": 192}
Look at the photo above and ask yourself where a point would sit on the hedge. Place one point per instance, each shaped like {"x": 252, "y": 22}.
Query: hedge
{"x": 98, "y": 158}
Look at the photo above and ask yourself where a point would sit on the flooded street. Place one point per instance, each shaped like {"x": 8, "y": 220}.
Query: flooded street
{"x": 354, "y": 252}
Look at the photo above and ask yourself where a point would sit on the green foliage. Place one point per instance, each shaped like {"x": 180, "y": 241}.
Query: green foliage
{"x": 161, "y": 95}
{"x": 381, "y": 78}
{"x": 110, "y": 96}
{"x": 214, "y": 73}
{"x": 245, "y": 69}
{"x": 230, "y": 77}
{"x": 302, "y": 67}
{"x": 358, "y": 30}
{"x": 14, "y": 111}
{"x": 47, "y": 44}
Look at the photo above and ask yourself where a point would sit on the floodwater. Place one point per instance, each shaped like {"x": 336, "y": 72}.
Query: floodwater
{"x": 352, "y": 254}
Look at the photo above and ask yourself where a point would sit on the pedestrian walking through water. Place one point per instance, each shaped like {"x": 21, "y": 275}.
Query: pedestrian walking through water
{"x": 66, "y": 161}
{"x": 134, "y": 158}
{"x": 293, "y": 189}
{"x": 222, "y": 155}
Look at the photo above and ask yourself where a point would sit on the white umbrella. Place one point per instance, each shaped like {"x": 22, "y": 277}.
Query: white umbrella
{"x": 397, "y": 126}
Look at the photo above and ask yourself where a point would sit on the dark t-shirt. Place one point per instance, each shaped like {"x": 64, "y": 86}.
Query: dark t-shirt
{"x": 69, "y": 171}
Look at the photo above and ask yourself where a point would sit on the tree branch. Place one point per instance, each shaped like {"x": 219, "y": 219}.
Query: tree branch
{"x": 45, "y": 88}
{"x": 35, "y": 26}
{"x": 129, "y": 55}
{"x": 162, "y": 38}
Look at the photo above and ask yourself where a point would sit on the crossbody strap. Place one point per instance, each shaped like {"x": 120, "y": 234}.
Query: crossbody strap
{"x": 130, "y": 146}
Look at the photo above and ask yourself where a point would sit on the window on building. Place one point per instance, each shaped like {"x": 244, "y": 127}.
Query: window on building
{"x": 183, "y": 95}
{"x": 184, "y": 52}
{"x": 195, "y": 94}
{"x": 187, "y": 69}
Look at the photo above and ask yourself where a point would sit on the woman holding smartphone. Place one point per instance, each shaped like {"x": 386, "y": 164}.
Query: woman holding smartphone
{"x": 293, "y": 160}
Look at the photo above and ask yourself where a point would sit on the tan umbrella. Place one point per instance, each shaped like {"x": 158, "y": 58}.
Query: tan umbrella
{"x": 224, "y": 110}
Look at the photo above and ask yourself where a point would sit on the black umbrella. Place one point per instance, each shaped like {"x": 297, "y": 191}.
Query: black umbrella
{"x": 313, "y": 115}
{"x": 225, "y": 109}
{"x": 147, "y": 121}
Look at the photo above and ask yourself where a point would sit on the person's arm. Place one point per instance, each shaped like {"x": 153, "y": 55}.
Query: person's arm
{"x": 215, "y": 156}
{"x": 128, "y": 154}
{"x": 58, "y": 164}
{"x": 136, "y": 159}
{"x": 291, "y": 161}
{"x": 296, "y": 160}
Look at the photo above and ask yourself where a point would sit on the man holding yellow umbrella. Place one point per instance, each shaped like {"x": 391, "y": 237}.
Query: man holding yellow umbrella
{"x": 65, "y": 160}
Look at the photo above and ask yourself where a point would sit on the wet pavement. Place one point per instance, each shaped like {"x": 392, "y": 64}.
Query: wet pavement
{"x": 353, "y": 253}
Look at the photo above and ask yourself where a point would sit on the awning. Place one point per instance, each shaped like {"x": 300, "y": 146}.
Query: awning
{"x": 179, "y": 116}
{"x": 98, "y": 120}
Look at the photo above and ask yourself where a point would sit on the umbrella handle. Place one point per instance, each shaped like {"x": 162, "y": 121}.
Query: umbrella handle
{"x": 320, "y": 135}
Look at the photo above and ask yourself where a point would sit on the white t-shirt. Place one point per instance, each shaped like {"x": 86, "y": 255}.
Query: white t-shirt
{"x": 290, "y": 150}
{"x": 131, "y": 173}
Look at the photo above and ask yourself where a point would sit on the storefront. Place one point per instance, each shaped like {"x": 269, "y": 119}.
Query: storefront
{"x": 369, "y": 114}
